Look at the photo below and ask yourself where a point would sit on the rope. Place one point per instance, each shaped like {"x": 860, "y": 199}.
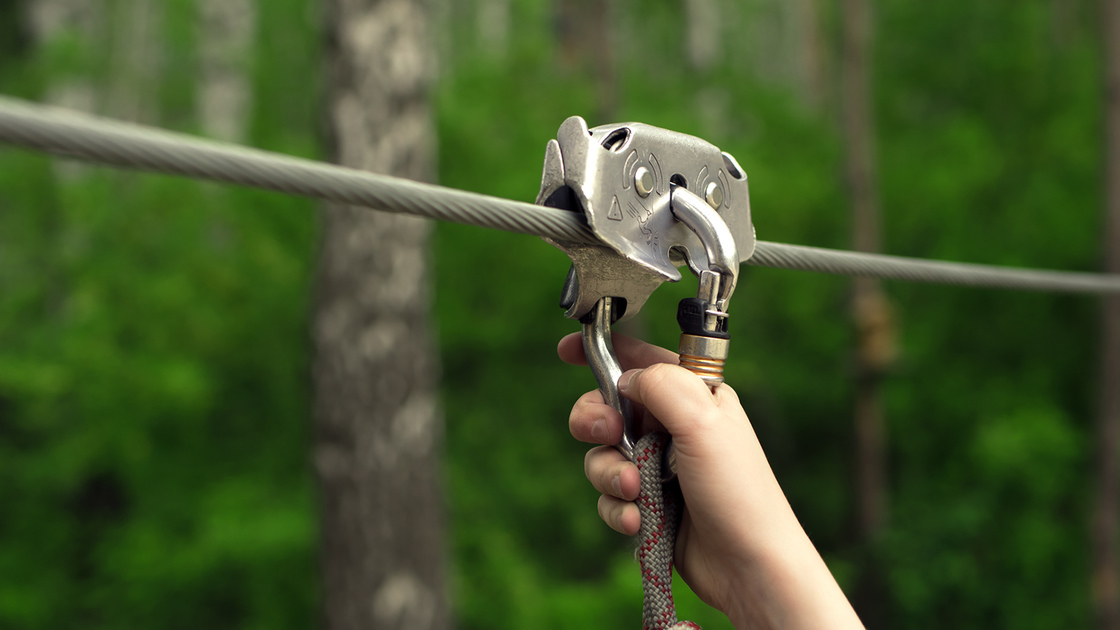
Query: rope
{"x": 74, "y": 135}
{"x": 657, "y": 537}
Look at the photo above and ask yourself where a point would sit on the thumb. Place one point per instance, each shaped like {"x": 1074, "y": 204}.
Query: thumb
{"x": 678, "y": 398}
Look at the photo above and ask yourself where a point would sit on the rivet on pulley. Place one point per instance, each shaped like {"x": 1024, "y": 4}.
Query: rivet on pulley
{"x": 713, "y": 194}
{"x": 643, "y": 181}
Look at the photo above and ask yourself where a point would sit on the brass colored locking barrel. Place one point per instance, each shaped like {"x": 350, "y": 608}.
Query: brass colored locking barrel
{"x": 703, "y": 352}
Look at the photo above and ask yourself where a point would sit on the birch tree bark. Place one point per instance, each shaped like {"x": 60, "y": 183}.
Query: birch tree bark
{"x": 378, "y": 429}
{"x": 586, "y": 41}
{"x": 49, "y": 20}
{"x": 809, "y": 54}
{"x": 136, "y": 44}
{"x": 703, "y": 20}
{"x": 493, "y": 23}
{"x": 1105, "y": 565}
{"x": 226, "y": 32}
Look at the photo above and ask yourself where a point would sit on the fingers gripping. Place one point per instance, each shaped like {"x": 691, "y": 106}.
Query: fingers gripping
{"x": 594, "y": 421}
{"x": 672, "y": 394}
{"x": 617, "y": 479}
{"x": 621, "y": 516}
{"x": 611, "y": 473}
{"x": 631, "y": 353}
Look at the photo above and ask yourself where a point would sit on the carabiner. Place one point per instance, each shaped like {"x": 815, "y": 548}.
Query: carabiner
{"x": 604, "y": 364}
{"x": 632, "y": 183}
{"x": 705, "y": 341}
{"x": 703, "y": 320}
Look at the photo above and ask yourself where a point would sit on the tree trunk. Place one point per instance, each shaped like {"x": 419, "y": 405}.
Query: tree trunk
{"x": 586, "y": 42}
{"x": 49, "y": 20}
{"x": 136, "y": 47}
{"x": 493, "y": 23}
{"x": 378, "y": 429}
{"x": 606, "y": 70}
{"x": 226, "y": 31}
{"x": 1106, "y": 571}
{"x": 703, "y": 20}
{"x": 810, "y": 54}
{"x": 870, "y": 310}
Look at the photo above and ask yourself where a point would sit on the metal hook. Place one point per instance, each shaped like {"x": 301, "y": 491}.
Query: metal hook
{"x": 631, "y": 183}
{"x": 705, "y": 342}
{"x": 704, "y": 338}
{"x": 715, "y": 236}
{"x": 604, "y": 365}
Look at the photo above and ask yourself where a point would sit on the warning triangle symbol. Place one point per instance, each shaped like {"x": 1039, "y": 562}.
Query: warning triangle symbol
{"x": 616, "y": 211}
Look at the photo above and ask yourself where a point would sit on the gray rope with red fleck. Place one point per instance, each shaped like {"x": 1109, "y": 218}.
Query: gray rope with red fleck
{"x": 659, "y": 505}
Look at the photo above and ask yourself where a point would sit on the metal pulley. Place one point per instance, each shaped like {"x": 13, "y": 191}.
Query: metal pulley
{"x": 658, "y": 200}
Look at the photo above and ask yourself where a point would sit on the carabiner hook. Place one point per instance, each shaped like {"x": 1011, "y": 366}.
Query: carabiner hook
{"x": 705, "y": 341}
{"x": 604, "y": 365}
{"x": 629, "y": 181}
{"x": 703, "y": 320}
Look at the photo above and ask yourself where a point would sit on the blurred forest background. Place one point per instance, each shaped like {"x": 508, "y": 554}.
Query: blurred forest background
{"x": 154, "y": 355}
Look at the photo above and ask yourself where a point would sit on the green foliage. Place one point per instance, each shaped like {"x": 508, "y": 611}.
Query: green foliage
{"x": 988, "y": 151}
{"x": 153, "y": 354}
{"x": 153, "y": 399}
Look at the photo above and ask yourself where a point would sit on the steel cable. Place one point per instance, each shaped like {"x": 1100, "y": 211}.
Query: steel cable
{"x": 783, "y": 256}
{"x": 71, "y": 134}
{"x": 74, "y": 135}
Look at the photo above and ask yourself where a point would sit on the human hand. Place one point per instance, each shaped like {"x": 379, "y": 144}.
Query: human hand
{"x": 740, "y": 547}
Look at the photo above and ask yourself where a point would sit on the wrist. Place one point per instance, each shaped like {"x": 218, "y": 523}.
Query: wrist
{"x": 765, "y": 583}
{"x": 788, "y": 585}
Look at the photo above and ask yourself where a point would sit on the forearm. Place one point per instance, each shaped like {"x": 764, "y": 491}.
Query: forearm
{"x": 790, "y": 588}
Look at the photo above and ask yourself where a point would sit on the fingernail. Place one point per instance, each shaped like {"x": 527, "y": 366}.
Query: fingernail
{"x": 625, "y": 380}
{"x": 599, "y": 431}
{"x": 616, "y": 485}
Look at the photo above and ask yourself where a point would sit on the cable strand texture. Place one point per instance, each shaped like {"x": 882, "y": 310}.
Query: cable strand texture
{"x": 783, "y": 256}
{"x": 71, "y": 134}
{"x": 74, "y": 135}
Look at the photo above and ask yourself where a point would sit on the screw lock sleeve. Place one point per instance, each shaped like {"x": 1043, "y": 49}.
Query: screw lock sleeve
{"x": 691, "y": 313}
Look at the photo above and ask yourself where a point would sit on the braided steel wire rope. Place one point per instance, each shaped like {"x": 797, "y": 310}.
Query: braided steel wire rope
{"x": 784, "y": 256}
{"x": 71, "y": 134}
